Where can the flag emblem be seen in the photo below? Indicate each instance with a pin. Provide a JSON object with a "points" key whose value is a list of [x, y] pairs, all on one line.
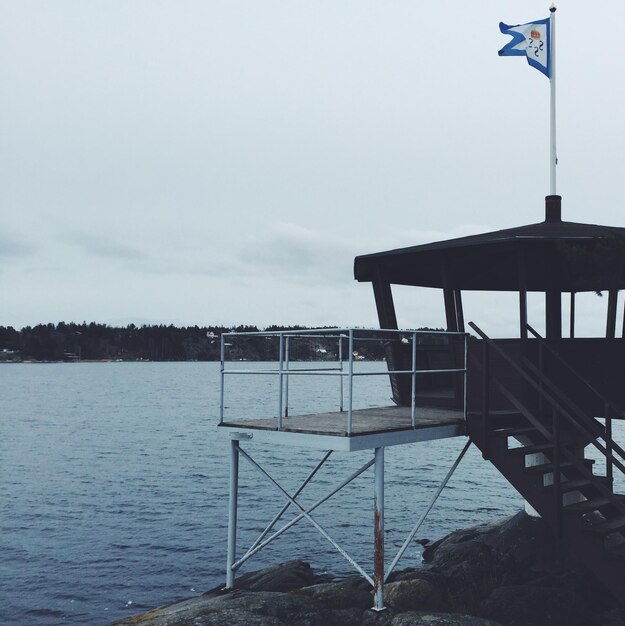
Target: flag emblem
{"points": [[531, 40]]}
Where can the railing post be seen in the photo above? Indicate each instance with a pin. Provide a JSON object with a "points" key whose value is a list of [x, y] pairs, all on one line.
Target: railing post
{"points": [[466, 373], [351, 381], [286, 379], [232, 511], [609, 466], [341, 370], [541, 366], [413, 417], [378, 532], [485, 397], [280, 383], [222, 376], [557, 493]]}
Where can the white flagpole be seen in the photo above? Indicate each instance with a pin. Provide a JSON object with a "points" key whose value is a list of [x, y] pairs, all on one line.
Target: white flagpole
{"points": [[553, 157]]}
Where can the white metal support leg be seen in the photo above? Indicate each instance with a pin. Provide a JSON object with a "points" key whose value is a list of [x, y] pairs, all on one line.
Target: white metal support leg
{"points": [[378, 532], [232, 509]]}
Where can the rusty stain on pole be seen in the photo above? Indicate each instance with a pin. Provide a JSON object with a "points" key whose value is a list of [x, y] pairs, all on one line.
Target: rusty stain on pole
{"points": [[378, 532]]}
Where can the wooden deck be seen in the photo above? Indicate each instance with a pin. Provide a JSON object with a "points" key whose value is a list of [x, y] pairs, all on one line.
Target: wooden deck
{"points": [[377, 426]]}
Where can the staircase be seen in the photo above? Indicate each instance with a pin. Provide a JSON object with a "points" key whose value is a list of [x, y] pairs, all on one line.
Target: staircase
{"points": [[539, 449]]}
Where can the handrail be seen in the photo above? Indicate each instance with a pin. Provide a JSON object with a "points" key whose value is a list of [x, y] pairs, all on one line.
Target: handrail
{"points": [[284, 369], [595, 429], [332, 332], [336, 371], [552, 401], [581, 467], [551, 437], [575, 373]]}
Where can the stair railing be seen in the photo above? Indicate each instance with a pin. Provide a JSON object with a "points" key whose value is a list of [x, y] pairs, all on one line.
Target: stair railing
{"points": [[554, 437], [485, 397], [614, 407], [589, 428], [557, 460], [610, 409]]}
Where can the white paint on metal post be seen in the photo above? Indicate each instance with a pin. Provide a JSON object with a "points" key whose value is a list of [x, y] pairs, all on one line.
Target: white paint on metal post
{"points": [[223, 378], [232, 511], [351, 381], [280, 379], [341, 374], [553, 155], [286, 380], [413, 417], [378, 532]]}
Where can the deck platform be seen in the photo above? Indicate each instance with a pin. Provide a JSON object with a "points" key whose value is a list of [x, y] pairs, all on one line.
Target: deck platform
{"points": [[371, 428]]}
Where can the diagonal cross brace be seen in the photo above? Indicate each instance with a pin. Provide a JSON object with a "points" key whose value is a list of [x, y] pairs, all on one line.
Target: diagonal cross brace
{"points": [[306, 514], [282, 511], [427, 510]]}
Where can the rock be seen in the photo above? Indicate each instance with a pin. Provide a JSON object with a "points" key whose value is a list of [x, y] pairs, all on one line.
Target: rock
{"points": [[278, 608], [419, 618], [283, 577], [411, 595], [520, 605], [514, 547], [482, 568], [245, 608], [502, 571], [353, 592]]}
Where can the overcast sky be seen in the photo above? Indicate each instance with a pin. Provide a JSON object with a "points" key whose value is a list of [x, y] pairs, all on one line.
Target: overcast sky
{"points": [[205, 162]]}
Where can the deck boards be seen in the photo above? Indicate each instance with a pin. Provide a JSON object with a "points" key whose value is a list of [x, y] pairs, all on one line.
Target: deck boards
{"points": [[364, 421]]}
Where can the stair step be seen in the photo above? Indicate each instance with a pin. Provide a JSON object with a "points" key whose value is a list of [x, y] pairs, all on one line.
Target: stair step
{"points": [[499, 419], [596, 502], [533, 449], [549, 467], [497, 413], [514, 431], [589, 505], [579, 484], [572, 485], [607, 527], [567, 437]]}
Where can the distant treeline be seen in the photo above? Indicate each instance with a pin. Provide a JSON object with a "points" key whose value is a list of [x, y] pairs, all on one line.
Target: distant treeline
{"points": [[75, 342]]}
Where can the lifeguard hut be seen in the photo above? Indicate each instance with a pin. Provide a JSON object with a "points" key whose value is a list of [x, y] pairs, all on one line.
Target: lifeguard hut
{"points": [[554, 395], [532, 405]]}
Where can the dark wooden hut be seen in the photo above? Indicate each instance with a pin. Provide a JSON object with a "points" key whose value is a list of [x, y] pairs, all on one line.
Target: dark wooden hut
{"points": [[534, 404]]}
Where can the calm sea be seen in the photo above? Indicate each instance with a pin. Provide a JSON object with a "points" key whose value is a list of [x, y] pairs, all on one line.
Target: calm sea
{"points": [[113, 480]]}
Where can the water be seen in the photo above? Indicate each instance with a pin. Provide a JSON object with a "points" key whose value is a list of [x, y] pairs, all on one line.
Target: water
{"points": [[114, 487]]}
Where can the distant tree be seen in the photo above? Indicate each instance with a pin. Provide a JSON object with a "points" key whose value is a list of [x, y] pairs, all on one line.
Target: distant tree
{"points": [[9, 339]]}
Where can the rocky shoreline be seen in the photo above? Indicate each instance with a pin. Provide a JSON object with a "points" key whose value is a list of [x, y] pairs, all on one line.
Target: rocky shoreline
{"points": [[503, 572]]}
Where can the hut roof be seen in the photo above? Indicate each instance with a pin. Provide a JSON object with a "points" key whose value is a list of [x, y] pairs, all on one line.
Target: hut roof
{"points": [[553, 254]]}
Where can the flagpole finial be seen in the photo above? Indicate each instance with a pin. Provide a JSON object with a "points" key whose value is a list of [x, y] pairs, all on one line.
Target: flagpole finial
{"points": [[552, 8]]}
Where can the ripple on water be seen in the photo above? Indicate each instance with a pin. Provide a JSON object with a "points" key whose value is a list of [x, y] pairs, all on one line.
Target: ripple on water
{"points": [[118, 490]]}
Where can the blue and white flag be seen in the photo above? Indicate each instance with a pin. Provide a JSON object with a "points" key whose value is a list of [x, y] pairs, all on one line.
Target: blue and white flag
{"points": [[531, 40]]}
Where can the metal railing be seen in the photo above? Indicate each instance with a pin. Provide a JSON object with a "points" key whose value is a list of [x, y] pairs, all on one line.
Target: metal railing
{"points": [[610, 408], [563, 412], [345, 370]]}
